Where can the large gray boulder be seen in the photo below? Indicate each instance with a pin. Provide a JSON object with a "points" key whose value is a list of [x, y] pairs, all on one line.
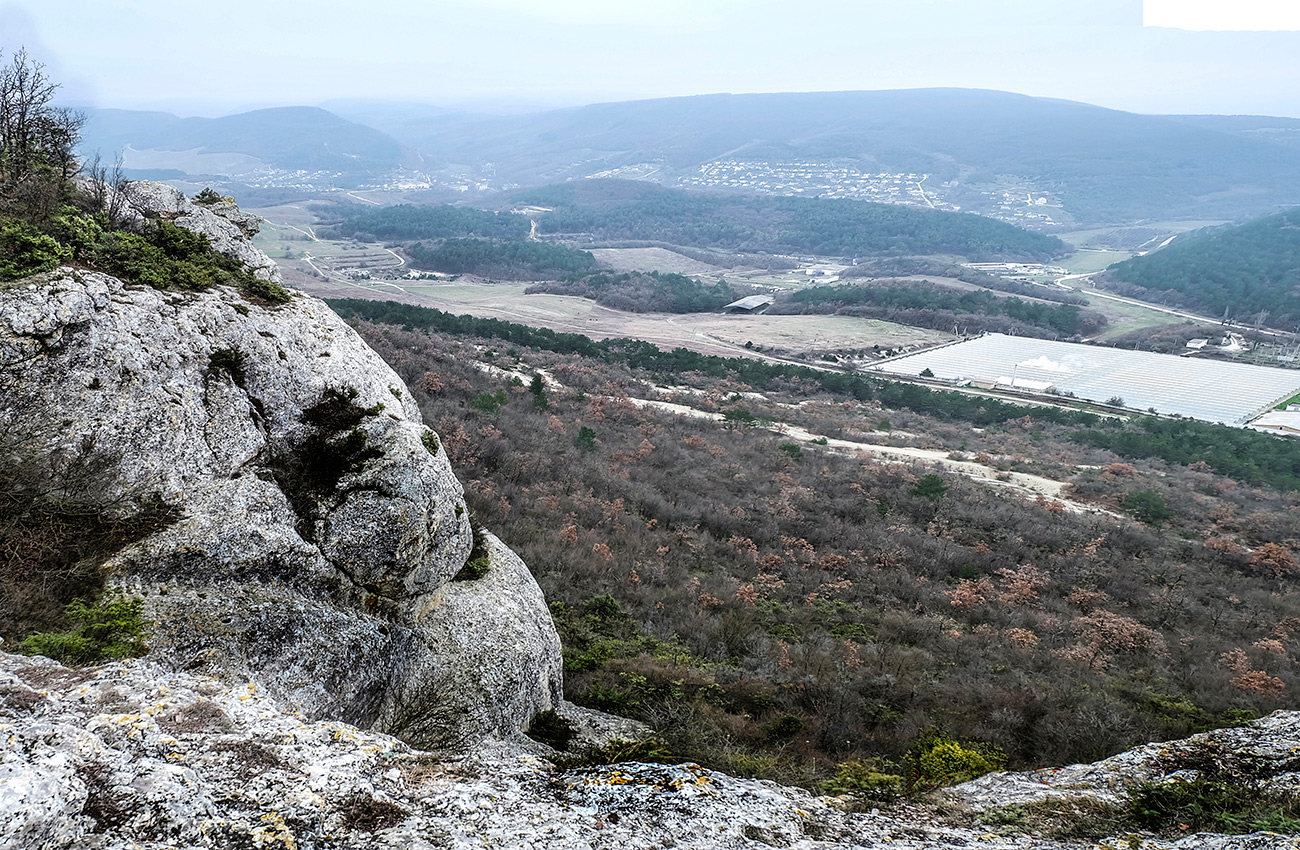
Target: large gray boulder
{"points": [[320, 525]]}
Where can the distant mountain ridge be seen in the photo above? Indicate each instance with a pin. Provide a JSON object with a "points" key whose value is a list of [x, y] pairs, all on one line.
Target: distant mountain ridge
{"points": [[292, 138], [1106, 165], [984, 151]]}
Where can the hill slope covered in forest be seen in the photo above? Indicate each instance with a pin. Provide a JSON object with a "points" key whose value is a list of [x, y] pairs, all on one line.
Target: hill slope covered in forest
{"points": [[1236, 271]]}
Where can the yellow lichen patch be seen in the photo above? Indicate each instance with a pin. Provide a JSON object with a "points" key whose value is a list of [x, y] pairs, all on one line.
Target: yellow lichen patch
{"points": [[118, 718], [275, 833]]}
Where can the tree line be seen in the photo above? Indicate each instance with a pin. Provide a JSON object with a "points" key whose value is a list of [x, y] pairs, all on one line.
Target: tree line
{"points": [[643, 292], [931, 305], [509, 259], [423, 221]]}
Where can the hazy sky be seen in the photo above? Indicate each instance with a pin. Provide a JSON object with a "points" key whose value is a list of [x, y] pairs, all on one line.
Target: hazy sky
{"points": [[191, 57]]}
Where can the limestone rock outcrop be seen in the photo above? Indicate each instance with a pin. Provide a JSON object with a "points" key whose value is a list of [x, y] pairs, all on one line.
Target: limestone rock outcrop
{"points": [[320, 524], [132, 756], [228, 228]]}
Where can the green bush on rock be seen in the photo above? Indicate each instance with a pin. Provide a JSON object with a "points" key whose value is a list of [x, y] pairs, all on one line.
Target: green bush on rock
{"points": [[106, 630], [25, 251]]}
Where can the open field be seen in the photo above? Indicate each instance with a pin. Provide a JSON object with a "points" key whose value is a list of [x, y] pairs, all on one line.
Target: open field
{"points": [[1082, 262], [708, 333], [1122, 238], [1208, 390], [651, 260], [288, 235], [1125, 316]]}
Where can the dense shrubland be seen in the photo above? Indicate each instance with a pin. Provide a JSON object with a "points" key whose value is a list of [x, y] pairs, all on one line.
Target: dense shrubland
{"points": [[779, 614]]}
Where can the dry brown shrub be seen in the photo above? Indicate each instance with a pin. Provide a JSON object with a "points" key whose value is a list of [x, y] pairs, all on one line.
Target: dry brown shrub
{"points": [[969, 593], [1273, 560], [1021, 585], [1086, 598], [1113, 632], [1270, 645], [1259, 682], [1021, 638]]}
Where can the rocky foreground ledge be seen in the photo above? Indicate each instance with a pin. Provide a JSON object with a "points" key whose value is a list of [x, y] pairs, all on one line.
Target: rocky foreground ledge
{"points": [[132, 755]]}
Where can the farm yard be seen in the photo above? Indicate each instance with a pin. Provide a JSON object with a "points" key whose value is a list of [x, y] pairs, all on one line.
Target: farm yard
{"points": [[1208, 390]]}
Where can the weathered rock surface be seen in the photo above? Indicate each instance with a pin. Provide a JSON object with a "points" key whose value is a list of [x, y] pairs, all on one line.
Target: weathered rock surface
{"points": [[337, 599], [136, 756]]}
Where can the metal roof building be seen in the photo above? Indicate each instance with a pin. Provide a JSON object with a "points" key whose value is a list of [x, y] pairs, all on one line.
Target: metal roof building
{"points": [[750, 304]]}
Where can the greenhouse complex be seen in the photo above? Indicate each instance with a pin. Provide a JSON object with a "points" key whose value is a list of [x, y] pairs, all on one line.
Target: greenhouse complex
{"points": [[1209, 390]]}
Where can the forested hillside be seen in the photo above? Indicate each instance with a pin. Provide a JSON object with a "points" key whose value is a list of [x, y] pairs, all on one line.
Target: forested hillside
{"points": [[1234, 271], [776, 607], [611, 210], [422, 221]]}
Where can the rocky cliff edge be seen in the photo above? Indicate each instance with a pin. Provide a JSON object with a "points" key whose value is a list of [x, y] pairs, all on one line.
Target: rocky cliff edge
{"points": [[135, 756]]}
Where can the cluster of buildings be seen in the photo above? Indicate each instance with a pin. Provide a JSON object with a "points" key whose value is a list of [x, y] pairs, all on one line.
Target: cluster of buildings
{"points": [[815, 180]]}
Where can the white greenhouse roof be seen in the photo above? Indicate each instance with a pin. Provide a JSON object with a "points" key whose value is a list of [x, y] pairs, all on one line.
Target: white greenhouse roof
{"points": [[1209, 390]]}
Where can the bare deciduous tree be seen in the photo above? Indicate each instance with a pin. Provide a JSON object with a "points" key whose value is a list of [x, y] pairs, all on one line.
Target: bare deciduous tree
{"points": [[38, 140]]}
